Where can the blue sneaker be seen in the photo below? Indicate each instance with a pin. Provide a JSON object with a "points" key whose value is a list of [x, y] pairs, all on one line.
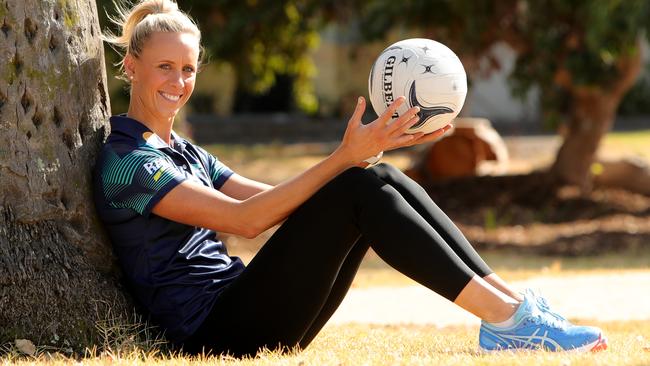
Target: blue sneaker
{"points": [[536, 329], [543, 304]]}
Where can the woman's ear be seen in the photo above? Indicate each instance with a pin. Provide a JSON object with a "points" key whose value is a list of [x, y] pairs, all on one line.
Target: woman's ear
{"points": [[129, 66]]}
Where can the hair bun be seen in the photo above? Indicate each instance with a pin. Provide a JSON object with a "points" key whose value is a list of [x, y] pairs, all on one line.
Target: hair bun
{"points": [[162, 6]]}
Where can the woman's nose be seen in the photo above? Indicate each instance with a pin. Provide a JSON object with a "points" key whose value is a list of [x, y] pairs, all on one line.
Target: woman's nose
{"points": [[177, 79]]}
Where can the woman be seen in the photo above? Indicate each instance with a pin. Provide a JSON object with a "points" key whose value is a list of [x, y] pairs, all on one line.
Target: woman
{"points": [[162, 200]]}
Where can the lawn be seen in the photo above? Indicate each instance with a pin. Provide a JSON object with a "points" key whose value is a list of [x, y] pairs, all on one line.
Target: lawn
{"points": [[275, 162], [515, 266], [620, 144], [362, 344], [356, 344]]}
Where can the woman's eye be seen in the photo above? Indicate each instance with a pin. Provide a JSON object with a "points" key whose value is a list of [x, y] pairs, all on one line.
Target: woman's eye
{"points": [[165, 66], [189, 69]]}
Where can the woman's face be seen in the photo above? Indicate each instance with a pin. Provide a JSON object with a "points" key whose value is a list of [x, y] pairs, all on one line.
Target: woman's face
{"points": [[163, 76]]}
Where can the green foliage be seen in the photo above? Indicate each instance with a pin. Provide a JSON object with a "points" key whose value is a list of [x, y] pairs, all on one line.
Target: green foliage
{"points": [[467, 26], [636, 100], [260, 39], [585, 39]]}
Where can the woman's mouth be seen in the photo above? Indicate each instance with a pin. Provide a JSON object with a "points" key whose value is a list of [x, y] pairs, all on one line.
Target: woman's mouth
{"points": [[170, 97]]}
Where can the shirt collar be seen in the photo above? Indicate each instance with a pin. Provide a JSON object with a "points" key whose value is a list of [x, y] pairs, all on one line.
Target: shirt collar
{"points": [[179, 142], [134, 129]]}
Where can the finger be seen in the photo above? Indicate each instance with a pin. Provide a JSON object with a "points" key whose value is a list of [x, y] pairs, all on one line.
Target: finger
{"points": [[388, 113], [355, 120], [405, 117], [445, 129], [405, 140], [406, 124], [433, 135]]}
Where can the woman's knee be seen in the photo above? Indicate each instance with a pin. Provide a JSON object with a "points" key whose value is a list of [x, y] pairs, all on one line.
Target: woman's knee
{"points": [[387, 172], [354, 180], [350, 187], [396, 178]]}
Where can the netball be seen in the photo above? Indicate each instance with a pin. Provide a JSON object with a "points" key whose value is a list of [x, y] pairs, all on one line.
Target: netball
{"points": [[427, 73]]}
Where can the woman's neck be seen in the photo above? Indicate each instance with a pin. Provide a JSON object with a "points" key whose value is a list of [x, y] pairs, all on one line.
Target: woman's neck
{"points": [[160, 126]]}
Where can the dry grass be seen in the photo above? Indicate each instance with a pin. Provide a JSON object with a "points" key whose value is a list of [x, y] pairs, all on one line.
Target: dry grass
{"points": [[358, 344], [517, 267], [624, 144], [273, 163], [276, 162], [362, 344]]}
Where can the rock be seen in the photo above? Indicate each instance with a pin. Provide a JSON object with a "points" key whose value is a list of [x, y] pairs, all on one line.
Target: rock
{"points": [[472, 148], [25, 346], [632, 174]]}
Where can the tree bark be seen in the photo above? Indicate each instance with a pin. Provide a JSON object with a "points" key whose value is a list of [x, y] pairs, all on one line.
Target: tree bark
{"points": [[592, 115], [56, 266]]}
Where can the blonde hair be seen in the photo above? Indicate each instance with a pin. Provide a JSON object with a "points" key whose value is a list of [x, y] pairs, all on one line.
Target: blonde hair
{"points": [[140, 21]]}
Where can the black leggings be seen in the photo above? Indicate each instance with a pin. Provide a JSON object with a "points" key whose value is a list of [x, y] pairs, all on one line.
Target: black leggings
{"points": [[301, 275]]}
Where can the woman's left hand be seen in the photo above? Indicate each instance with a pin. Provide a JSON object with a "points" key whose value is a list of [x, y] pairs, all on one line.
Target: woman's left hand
{"points": [[383, 134]]}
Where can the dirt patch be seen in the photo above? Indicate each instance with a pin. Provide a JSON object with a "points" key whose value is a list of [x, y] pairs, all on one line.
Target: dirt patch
{"points": [[518, 212], [521, 213]]}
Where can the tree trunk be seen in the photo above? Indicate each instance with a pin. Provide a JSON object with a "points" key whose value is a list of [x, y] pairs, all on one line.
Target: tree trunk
{"points": [[592, 115], [56, 271]]}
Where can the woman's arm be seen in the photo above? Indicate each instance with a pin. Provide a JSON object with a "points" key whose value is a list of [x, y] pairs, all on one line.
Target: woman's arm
{"points": [[248, 216], [241, 188]]}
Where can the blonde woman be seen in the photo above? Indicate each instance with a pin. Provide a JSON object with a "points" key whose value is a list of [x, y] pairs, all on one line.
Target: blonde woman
{"points": [[163, 200]]}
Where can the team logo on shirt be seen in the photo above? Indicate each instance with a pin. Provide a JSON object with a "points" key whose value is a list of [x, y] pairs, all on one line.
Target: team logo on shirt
{"points": [[155, 167]]}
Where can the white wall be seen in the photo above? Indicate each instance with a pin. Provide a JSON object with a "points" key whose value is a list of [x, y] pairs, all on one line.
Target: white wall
{"points": [[491, 98]]}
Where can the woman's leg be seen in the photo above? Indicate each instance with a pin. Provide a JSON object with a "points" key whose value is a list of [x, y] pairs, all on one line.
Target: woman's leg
{"points": [[277, 301], [420, 200], [339, 290], [295, 282]]}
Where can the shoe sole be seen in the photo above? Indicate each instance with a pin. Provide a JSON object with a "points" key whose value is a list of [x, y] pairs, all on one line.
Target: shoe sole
{"points": [[596, 346], [601, 345]]}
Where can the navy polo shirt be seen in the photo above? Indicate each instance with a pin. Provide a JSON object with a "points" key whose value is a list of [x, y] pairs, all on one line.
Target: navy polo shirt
{"points": [[174, 270]]}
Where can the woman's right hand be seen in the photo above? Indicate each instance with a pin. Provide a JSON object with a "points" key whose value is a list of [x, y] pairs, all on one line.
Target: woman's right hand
{"points": [[363, 141]]}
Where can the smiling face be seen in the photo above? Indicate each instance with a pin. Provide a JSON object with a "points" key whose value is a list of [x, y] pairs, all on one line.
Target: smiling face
{"points": [[162, 76]]}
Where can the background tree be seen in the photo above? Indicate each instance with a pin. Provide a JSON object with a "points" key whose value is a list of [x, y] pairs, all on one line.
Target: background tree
{"points": [[583, 55], [470, 28], [55, 264]]}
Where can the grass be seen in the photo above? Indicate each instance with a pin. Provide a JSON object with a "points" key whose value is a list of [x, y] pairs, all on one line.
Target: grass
{"points": [[621, 144], [364, 344], [513, 266], [361, 344], [275, 162]]}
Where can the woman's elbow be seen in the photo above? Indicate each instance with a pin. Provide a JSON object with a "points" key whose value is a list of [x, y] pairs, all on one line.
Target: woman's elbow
{"points": [[250, 223], [251, 232]]}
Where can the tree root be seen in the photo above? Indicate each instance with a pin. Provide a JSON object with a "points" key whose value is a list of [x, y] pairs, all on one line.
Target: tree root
{"points": [[631, 174]]}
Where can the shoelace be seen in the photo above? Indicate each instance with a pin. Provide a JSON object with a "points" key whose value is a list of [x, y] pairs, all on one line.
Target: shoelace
{"points": [[547, 319], [543, 305]]}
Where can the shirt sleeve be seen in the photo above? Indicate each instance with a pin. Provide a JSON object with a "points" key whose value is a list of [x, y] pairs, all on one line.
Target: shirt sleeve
{"points": [[218, 171], [139, 179]]}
